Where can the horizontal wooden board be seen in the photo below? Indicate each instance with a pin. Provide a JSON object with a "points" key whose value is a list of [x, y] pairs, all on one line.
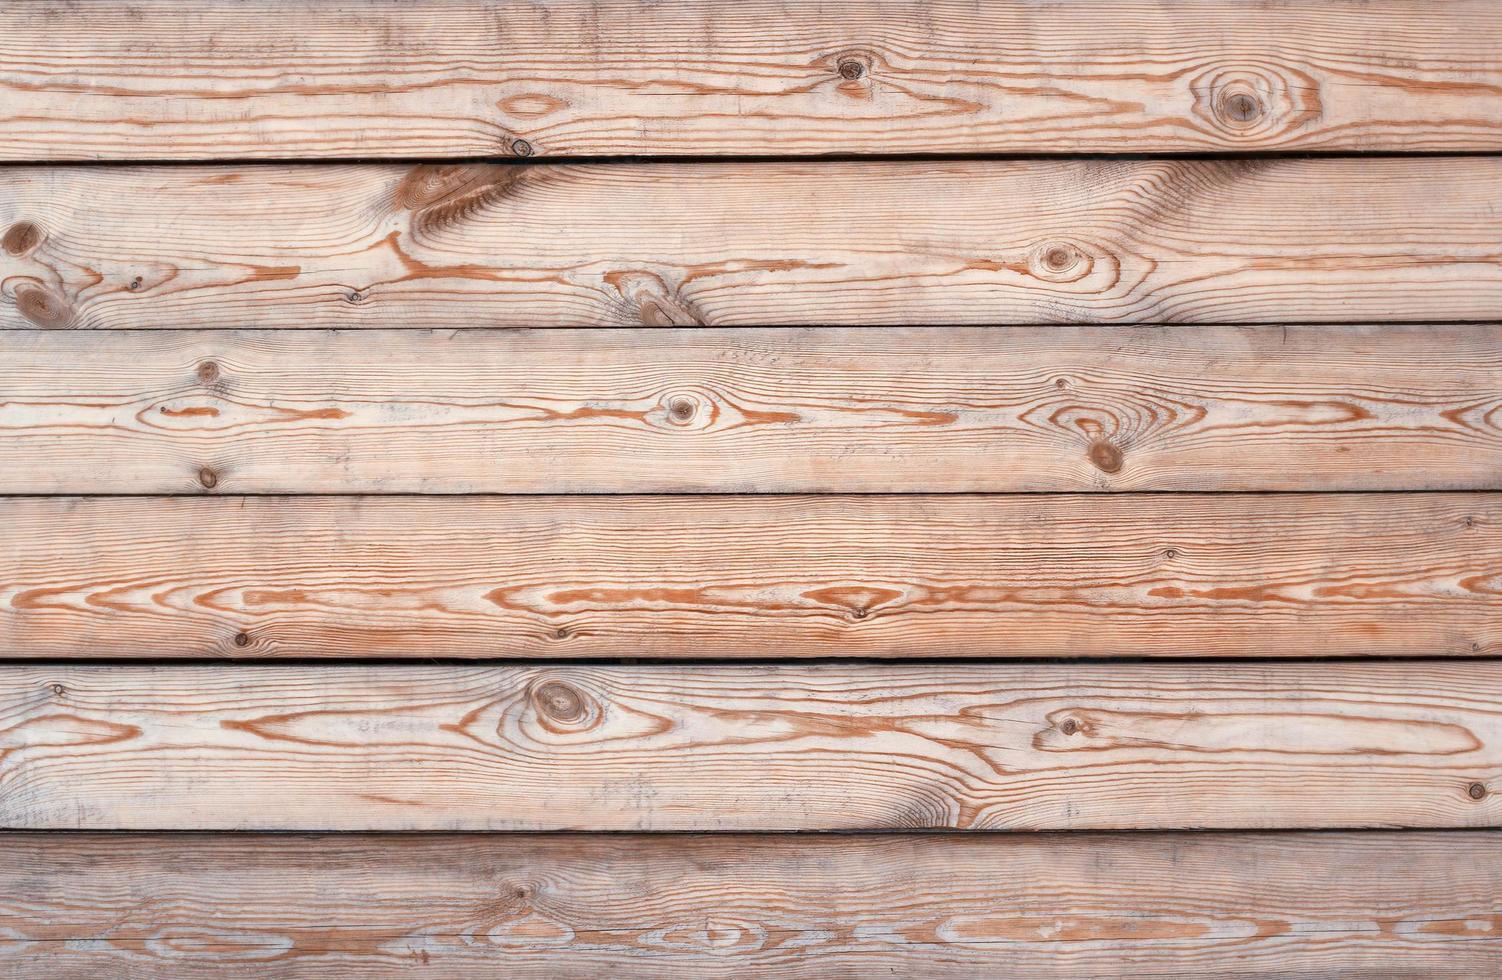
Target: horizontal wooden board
{"points": [[604, 748], [947, 576], [1358, 905], [692, 410], [166, 79], [740, 244]]}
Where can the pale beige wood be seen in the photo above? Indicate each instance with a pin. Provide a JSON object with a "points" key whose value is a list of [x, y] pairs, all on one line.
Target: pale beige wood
{"points": [[169, 79], [737, 244], [839, 409], [1020, 747], [946, 576], [1193, 905]]}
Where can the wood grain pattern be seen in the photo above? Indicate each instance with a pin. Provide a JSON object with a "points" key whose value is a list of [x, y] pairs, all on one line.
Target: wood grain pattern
{"points": [[738, 244], [1019, 747], [949, 576], [1329, 905], [694, 410], [280, 78]]}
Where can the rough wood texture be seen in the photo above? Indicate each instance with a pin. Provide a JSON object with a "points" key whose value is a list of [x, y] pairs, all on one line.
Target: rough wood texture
{"points": [[1331, 905], [164, 79], [951, 576], [735, 244], [1022, 747], [840, 409]]}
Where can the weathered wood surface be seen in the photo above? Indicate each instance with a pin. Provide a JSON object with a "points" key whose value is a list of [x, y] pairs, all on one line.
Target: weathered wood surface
{"points": [[737, 244], [840, 409], [1331, 905], [1021, 747], [165, 79], [657, 576]]}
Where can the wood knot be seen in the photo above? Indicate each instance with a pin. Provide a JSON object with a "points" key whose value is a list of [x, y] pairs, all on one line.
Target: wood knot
{"points": [[1059, 262], [208, 372], [648, 299], [1059, 258], [208, 478], [1476, 791], [354, 296], [560, 702], [445, 195], [20, 238], [1062, 727], [852, 73], [1260, 102], [561, 633], [1106, 456], [134, 284], [59, 690], [1170, 552], [521, 148], [242, 639], [1240, 107], [43, 307], [686, 410]]}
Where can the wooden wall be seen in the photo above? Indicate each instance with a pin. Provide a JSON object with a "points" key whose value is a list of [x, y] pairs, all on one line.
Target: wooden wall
{"points": [[763, 488]]}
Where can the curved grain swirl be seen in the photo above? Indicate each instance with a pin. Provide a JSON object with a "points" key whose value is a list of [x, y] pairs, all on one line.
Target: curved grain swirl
{"points": [[751, 748], [663, 576]]}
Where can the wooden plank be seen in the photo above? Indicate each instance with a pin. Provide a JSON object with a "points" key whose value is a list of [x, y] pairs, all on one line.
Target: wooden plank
{"points": [[948, 576], [1414, 904], [693, 410], [163, 79], [605, 748], [741, 244]]}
